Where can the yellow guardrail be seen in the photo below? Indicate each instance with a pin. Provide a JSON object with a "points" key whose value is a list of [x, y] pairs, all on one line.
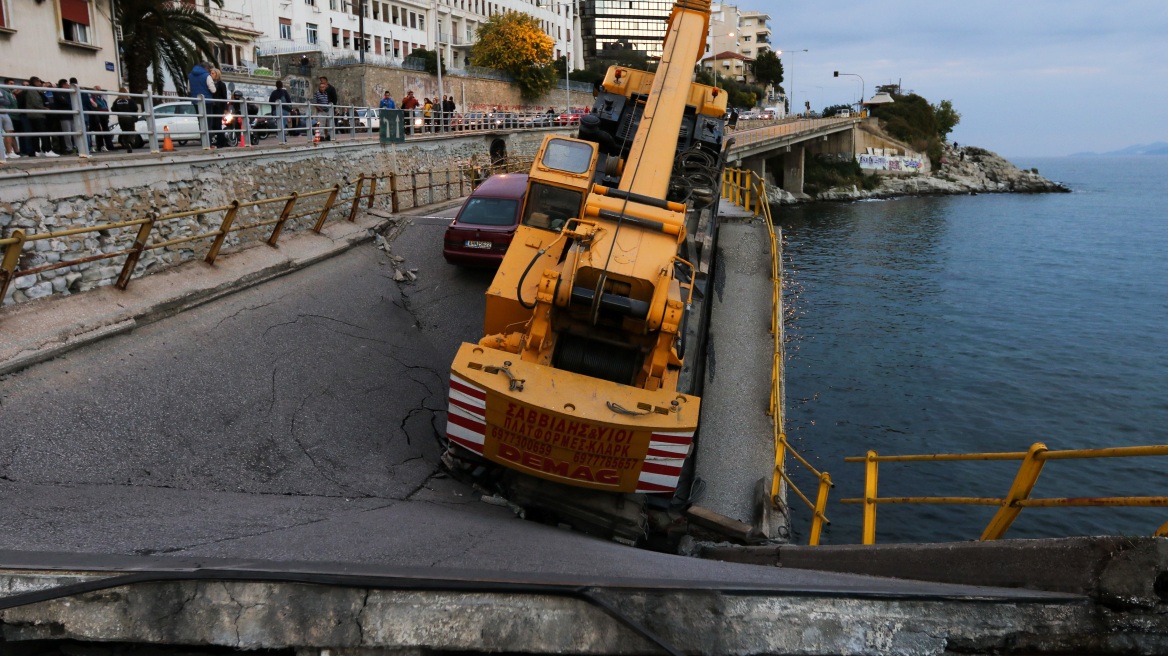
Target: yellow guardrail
{"points": [[234, 215], [1018, 496], [745, 136], [746, 189]]}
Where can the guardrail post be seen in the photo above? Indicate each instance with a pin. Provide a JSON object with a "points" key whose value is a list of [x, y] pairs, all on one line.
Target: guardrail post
{"points": [[10, 260], [393, 202], [279, 227], [151, 125], [461, 188], [81, 144], [871, 467], [280, 120], [1023, 485], [328, 206], [204, 125], [372, 192], [245, 124], [820, 519], [224, 228], [136, 251], [356, 198]]}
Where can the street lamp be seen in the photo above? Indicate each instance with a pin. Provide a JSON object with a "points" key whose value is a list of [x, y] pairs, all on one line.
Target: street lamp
{"points": [[792, 94], [837, 74], [714, 47]]}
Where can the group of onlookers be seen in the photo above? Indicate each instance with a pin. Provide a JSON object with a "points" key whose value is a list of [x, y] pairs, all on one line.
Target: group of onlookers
{"points": [[436, 114], [44, 105]]}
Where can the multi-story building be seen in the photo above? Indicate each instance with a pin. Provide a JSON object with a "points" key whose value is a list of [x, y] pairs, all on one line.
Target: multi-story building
{"points": [[390, 30], [736, 38], [59, 39], [612, 28]]}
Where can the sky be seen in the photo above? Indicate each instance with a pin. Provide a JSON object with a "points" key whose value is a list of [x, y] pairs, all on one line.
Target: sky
{"points": [[1029, 77]]}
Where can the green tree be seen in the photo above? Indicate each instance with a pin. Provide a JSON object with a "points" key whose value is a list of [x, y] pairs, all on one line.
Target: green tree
{"points": [[768, 68], [914, 121], [431, 59], [835, 109], [513, 42], [947, 117], [166, 37]]}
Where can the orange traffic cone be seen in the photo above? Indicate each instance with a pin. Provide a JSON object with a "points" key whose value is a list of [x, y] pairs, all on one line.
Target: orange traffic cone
{"points": [[242, 139], [167, 144], [316, 136]]}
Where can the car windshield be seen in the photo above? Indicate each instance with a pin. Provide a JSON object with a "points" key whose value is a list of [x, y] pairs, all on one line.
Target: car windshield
{"points": [[489, 211]]}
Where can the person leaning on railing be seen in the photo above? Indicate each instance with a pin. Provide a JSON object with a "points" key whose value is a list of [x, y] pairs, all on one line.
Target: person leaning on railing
{"points": [[7, 102], [127, 111]]}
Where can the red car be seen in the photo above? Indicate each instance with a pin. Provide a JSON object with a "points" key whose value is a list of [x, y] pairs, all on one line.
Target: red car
{"points": [[482, 231], [571, 117]]}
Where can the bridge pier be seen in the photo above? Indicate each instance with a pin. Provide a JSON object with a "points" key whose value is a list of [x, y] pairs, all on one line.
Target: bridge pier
{"points": [[792, 181]]}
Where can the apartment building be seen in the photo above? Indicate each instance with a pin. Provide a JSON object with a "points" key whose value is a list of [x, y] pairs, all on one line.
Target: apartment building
{"points": [[389, 30], [59, 39], [736, 38]]}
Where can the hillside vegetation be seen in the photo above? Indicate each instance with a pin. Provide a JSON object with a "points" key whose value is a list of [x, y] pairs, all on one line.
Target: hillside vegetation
{"points": [[911, 119]]}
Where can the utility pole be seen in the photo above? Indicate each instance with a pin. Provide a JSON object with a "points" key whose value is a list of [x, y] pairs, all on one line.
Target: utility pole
{"points": [[361, 27], [438, 49]]}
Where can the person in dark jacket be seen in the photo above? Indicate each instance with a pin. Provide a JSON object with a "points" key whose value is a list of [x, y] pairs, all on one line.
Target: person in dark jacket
{"points": [[35, 100], [128, 111], [281, 95], [215, 109]]}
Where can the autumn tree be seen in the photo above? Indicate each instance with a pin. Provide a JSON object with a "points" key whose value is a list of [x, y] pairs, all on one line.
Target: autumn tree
{"points": [[513, 42]]}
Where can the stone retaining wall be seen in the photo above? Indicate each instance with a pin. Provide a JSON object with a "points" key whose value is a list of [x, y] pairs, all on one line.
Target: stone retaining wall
{"points": [[54, 200]]}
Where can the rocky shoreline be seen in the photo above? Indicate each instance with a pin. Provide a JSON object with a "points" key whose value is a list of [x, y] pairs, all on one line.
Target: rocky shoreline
{"points": [[965, 170]]}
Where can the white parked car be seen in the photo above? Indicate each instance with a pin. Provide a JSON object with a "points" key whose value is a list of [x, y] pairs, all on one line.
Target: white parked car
{"points": [[180, 117]]}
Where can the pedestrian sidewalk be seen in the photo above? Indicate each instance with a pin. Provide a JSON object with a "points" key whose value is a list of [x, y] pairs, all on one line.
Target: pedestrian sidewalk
{"points": [[44, 329]]}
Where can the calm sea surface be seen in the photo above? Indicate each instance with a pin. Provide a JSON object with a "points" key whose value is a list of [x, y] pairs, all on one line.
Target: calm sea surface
{"points": [[979, 324]]}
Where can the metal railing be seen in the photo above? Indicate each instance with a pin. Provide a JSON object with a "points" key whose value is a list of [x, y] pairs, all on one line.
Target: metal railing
{"points": [[748, 133], [237, 216], [160, 122], [746, 189], [1018, 497]]}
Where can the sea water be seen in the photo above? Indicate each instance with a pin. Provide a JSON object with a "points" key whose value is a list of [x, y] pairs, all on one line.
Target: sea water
{"points": [[983, 323]]}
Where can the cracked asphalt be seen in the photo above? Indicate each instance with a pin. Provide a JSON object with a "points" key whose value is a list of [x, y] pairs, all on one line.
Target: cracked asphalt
{"points": [[296, 421]]}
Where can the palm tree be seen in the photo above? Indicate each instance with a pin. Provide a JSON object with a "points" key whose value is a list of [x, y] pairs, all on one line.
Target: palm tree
{"points": [[163, 35]]}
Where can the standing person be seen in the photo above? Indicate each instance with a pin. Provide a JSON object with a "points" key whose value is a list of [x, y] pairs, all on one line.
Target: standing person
{"points": [[387, 102], [201, 85], [323, 103], [34, 100], [281, 95], [127, 110], [409, 104], [427, 110], [215, 109], [8, 101], [105, 142], [448, 110]]}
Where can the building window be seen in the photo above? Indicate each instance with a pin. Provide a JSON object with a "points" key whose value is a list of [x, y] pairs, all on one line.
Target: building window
{"points": [[336, 37], [345, 42], [310, 32], [421, 22], [310, 2], [413, 20], [333, 5], [286, 28], [75, 21], [4, 14], [395, 16], [746, 38]]}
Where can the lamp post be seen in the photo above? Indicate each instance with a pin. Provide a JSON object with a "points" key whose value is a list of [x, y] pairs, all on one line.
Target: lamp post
{"points": [[714, 47], [792, 94], [837, 74]]}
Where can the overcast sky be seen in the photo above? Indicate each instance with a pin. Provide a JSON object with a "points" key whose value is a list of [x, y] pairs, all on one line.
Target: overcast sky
{"points": [[1029, 77]]}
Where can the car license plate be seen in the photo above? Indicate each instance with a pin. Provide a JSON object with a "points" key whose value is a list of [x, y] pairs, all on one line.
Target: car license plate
{"points": [[478, 244]]}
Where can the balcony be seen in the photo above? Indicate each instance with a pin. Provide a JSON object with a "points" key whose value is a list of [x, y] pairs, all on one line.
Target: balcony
{"points": [[231, 20]]}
